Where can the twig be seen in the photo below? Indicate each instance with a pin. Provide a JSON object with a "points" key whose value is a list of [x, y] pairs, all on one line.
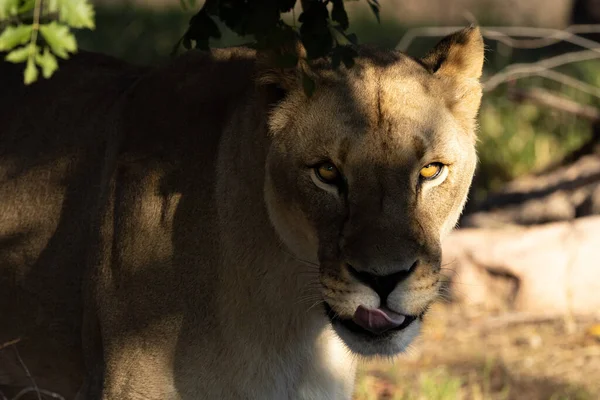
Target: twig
{"points": [[470, 17], [528, 69], [546, 36], [549, 99], [540, 68], [570, 81], [555, 38], [10, 343], [35, 26], [559, 78], [27, 373], [44, 19], [42, 391]]}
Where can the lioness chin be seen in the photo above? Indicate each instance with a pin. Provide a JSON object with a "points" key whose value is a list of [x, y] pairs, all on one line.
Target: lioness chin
{"points": [[206, 230]]}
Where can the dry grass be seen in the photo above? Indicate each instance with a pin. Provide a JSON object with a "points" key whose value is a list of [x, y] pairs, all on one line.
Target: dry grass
{"points": [[462, 358]]}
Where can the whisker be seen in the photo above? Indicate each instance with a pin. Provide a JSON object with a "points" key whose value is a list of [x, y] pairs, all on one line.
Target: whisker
{"points": [[316, 304], [308, 302], [468, 284], [309, 272], [313, 285], [299, 259], [309, 296], [449, 263], [312, 296], [448, 296], [448, 269]]}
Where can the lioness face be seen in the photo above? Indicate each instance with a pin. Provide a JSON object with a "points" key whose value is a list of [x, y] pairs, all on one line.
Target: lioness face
{"points": [[365, 178]]}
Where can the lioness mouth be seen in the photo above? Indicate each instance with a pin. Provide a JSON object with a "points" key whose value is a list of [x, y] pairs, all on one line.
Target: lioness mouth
{"points": [[372, 323]]}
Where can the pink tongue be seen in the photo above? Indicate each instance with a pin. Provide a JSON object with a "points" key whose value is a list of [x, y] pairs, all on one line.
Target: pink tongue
{"points": [[377, 320]]}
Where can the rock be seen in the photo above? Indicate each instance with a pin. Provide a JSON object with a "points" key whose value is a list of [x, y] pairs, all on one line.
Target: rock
{"points": [[550, 268]]}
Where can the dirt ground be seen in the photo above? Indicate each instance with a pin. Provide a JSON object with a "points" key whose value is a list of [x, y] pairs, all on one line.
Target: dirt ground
{"points": [[505, 357]]}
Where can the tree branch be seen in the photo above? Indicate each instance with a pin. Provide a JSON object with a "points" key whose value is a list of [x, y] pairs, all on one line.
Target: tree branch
{"points": [[552, 100]]}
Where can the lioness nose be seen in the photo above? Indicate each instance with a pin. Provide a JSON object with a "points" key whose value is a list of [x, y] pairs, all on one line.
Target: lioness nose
{"points": [[382, 284]]}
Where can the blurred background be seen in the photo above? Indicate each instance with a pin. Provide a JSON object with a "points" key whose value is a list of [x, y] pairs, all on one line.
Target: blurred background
{"points": [[519, 316]]}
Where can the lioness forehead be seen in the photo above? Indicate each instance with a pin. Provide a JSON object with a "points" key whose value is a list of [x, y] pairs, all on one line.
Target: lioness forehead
{"points": [[388, 111]]}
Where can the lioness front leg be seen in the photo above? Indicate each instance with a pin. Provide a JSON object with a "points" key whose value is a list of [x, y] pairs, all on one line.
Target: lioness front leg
{"points": [[137, 370], [333, 371]]}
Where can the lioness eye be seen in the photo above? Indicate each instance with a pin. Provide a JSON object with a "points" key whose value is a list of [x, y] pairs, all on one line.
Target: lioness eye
{"points": [[327, 172], [431, 171]]}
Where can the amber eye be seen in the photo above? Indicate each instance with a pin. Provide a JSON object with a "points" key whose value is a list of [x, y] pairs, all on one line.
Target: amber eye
{"points": [[327, 172], [431, 171]]}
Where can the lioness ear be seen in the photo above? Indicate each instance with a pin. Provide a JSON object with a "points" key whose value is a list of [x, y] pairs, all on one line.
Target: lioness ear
{"points": [[279, 70], [458, 60]]}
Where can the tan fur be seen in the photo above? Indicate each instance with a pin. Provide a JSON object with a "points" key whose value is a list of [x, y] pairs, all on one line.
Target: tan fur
{"points": [[163, 235]]}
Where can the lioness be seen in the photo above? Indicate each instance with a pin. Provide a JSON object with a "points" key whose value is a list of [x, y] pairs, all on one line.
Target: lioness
{"points": [[206, 230]]}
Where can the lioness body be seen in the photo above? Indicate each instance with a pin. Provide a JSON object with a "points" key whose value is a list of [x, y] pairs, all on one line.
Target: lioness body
{"points": [[151, 247], [159, 289]]}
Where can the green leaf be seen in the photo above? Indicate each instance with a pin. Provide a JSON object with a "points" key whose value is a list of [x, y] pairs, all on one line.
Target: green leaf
{"points": [[262, 17], [374, 5], [25, 6], [187, 43], [234, 16], [8, 8], [340, 36], [308, 84], [336, 59], [14, 36], [348, 55], [201, 29], [211, 7], [314, 31], [339, 15], [352, 38], [343, 54], [286, 5], [281, 37], [31, 72], [18, 55], [202, 44], [47, 62], [59, 38], [348, 60], [52, 5], [76, 13]]}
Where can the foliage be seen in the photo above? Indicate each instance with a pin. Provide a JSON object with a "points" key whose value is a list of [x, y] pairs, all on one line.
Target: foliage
{"points": [[322, 30], [36, 32]]}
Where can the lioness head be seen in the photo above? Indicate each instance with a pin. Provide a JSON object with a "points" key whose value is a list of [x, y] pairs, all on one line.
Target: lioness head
{"points": [[366, 176]]}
